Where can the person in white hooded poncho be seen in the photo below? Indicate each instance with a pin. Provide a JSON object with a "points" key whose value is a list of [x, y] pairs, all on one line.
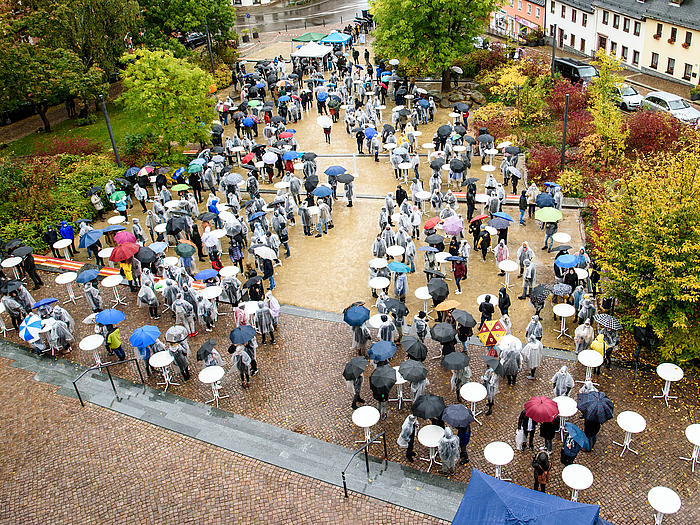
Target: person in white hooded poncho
{"points": [[407, 436], [532, 355], [448, 447], [184, 314], [562, 382], [61, 314], [207, 312], [583, 336], [147, 297]]}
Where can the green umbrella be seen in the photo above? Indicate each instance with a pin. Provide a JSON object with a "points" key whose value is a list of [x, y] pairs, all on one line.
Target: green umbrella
{"points": [[117, 196], [254, 103], [181, 187], [548, 215], [185, 250], [194, 168]]}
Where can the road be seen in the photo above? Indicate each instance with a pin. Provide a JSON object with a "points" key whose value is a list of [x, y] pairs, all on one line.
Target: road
{"points": [[280, 18]]}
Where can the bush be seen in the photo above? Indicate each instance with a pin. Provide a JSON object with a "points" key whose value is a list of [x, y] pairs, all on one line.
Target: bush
{"points": [[651, 132], [578, 98], [74, 145], [132, 143], [580, 125], [484, 59], [571, 182], [547, 134], [543, 164], [90, 119], [495, 118]]}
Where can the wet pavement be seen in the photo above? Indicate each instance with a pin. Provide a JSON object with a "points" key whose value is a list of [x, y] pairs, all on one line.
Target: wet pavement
{"points": [[282, 18]]}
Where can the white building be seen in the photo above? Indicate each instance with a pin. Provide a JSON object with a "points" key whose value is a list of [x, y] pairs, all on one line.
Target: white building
{"points": [[620, 30], [575, 21]]}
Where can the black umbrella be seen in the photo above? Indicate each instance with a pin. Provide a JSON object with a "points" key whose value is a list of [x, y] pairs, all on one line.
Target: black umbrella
{"points": [[12, 244], [277, 119], [460, 130], [238, 114], [344, 178], [309, 155], [595, 406], [540, 293], [457, 416], [10, 286], [464, 318], [250, 282], [457, 165], [435, 273], [444, 130], [404, 112], [397, 307], [382, 379], [161, 180], [389, 128], [207, 216], [485, 138], [163, 170], [80, 221], [356, 130], [310, 183], [414, 348], [434, 238], [124, 182], [258, 147], [175, 225], [461, 107], [146, 255], [292, 76], [217, 149], [561, 248], [437, 163], [152, 163], [354, 368], [401, 91], [22, 251], [93, 190], [217, 128], [443, 332], [608, 321], [513, 150], [206, 349], [250, 167], [494, 364], [455, 361], [243, 105], [277, 151], [428, 406], [438, 289], [468, 139], [413, 371]]}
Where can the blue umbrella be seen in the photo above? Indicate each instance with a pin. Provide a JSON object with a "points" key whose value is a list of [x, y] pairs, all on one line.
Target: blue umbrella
{"points": [[427, 249], [370, 132], [359, 67], [112, 228], [89, 238], [322, 191], [144, 336], [29, 329], [336, 97], [455, 258], [87, 276], [199, 161], [577, 435], [178, 172], [246, 75], [381, 350], [498, 223], [256, 215], [551, 185], [206, 274], [292, 131], [260, 85], [595, 406], [386, 74], [566, 261], [158, 247], [109, 317], [131, 172], [356, 315], [423, 103], [545, 200], [396, 266], [321, 96], [503, 215], [335, 170], [247, 122], [242, 335], [284, 98], [43, 302], [290, 155]]}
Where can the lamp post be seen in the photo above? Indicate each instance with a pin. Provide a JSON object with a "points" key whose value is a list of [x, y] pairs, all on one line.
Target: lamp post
{"points": [[563, 138], [109, 130]]}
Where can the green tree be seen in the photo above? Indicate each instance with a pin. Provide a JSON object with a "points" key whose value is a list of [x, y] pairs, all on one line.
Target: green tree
{"points": [[649, 245], [171, 95], [428, 36]]}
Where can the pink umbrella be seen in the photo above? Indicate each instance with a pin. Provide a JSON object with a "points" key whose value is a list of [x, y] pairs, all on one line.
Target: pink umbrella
{"points": [[124, 236], [453, 225], [541, 409]]}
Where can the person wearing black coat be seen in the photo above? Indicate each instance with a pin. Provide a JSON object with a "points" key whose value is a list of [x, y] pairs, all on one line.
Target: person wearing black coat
{"points": [[197, 240], [548, 431], [471, 201], [571, 279], [196, 184], [50, 237], [486, 309], [475, 229], [269, 272], [30, 268], [401, 195], [541, 466], [591, 429], [503, 301], [484, 242], [524, 424]]}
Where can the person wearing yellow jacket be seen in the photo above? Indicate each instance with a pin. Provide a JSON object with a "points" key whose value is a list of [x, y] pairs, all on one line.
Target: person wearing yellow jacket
{"points": [[114, 341], [127, 272]]}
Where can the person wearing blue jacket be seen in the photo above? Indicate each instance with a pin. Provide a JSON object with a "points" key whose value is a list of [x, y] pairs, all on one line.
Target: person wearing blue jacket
{"points": [[67, 232]]}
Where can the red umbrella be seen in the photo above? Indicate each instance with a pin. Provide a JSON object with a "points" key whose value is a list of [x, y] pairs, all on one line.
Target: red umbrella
{"points": [[478, 218], [383, 85], [286, 135], [541, 409], [124, 251], [432, 223], [248, 158], [124, 236]]}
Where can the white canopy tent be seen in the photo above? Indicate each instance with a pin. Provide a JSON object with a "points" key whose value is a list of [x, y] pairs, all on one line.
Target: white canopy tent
{"points": [[312, 50]]}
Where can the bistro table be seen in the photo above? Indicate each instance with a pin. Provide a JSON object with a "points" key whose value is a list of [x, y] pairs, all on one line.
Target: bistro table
{"points": [[564, 310], [92, 343], [113, 282], [590, 359], [366, 417], [212, 375], [67, 278], [63, 244], [423, 294], [428, 436], [576, 477], [499, 453], [473, 392], [631, 423], [117, 219], [12, 262], [670, 373], [104, 253], [567, 408], [162, 361], [508, 266], [379, 283], [692, 432], [664, 501], [400, 381]]}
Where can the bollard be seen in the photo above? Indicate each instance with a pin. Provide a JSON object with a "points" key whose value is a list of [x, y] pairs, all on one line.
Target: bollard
{"points": [[285, 28], [304, 24], [324, 22]]}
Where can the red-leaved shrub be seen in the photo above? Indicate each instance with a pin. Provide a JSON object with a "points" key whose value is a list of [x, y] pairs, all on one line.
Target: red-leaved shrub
{"points": [[543, 164], [72, 145], [651, 132], [579, 124], [556, 100]]}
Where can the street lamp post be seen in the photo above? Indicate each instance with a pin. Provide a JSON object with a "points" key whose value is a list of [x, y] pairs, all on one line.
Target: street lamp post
{"points": [[109, 130]]}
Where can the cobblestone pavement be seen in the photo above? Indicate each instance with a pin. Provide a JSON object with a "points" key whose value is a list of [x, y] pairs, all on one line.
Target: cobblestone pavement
{"points": [[67, 464]]}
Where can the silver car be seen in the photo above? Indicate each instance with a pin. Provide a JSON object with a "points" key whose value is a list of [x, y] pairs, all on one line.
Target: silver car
{"points": [[628, 98], [673, 104]]}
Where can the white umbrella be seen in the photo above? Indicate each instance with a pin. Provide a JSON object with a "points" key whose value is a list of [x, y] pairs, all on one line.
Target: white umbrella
{"points": [[421, 91], [218, 234], [271, 158], [324, 121], [504, 144], [209, 240], [457, 69], [394, 61], [265, 253], [508, 340]]}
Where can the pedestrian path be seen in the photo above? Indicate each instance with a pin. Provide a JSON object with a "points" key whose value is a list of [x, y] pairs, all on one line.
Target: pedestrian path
{"points": [[390, 482]]}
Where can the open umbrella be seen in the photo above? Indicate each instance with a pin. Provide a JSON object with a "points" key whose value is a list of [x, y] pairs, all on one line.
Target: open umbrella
{"points": [[427, 249], [397, 307], [181, 187], [434, 238], [455, 361], [242, 335], [443, 332], [185, 250], [453, 225], [124, 236], [577, 435], [491, 333], [515, 172], [356, 315], [324, 122], [382, 380], [541, 409], [548, 214], [206, 349], [469, 139], [44, 302], [117, 196], [428, 406], [10, 286], [354, 368], [93, 190], [498, 223], [464, 318], [381, 350], [503, 215], [22, 251], [457, 416], [478, 218], [444, 130], [438, 289], [413, 371], [565, 261], [322, 191], [398, 267], [561, 289], [430, 224], [309, 155], [124, 252], [447, 305], [485, 138], [144, 336], [265, 253], [457, 165], [310, 183], [87, 276], [109, 316], [545, 200], [561, 248], [176, 334], [175, 225], [90, 238], [203, 275], [250, 282], [437, 163], [145, 255], [595, 406], [608, 321], [494, 364], [344, 178], [540, 293], [29, 328], [513, 150], [414, 348]]}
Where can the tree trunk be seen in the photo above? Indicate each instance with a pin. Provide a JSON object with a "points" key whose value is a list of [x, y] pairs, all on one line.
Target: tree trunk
{"points": [[445, 81], [41, 109]]}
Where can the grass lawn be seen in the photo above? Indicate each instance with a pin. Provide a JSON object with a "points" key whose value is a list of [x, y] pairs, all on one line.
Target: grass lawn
{"points": [[121, 125]]}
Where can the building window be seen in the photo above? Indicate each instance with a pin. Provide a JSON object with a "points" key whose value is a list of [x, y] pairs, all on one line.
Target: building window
{"points": [[606, 17], [520, 5], [584, 20], [551, 30], [529, 9], [572, 40], [635, 58], [563, 11], [671, 66], [583, 45], [654, 61], [659, 30], [687, 71], [674, 33], [616, 21], [573, 15], [538, 12], [688, 38], [637, 28], [626, 25], [552, 9], [613, 48], [623, 55]]}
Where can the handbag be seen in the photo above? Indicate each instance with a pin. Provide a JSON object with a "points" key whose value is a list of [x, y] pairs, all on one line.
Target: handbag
{"points": [[520, 438]]}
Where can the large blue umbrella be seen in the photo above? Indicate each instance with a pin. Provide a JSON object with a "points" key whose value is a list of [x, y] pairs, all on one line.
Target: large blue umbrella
{"points": [[381, 350], [284, 98], [247, 122], [256, 215], [356, 315], [370, 132], [158, 247], [87, 276], [90, 238], [322, 191], [595, 406], [144, 336], [199, 161], [322, 96], [335, 170], [577, 435], [44, 302], [423, 103], [455, 258], [109, 317], [565, 261], [242, 335], [113, 228], [396, 266], [131, 172], [178, 172], [290, 155], [206, 274], [260, 85], [29, 328], [545, 200], [427, 249], [503, 215]]}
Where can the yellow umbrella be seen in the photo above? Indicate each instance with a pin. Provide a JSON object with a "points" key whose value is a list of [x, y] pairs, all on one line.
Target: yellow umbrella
{"points": [[444, 306], [491, 333]]}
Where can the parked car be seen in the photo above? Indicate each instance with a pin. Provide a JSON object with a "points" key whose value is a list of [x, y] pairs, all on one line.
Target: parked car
{"points": [[21, 112], [629, 99], [192, 40], [673, 104], [576, 70]]}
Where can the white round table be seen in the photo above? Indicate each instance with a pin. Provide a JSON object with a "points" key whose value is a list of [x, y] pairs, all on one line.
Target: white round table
{"points": [[631, 423], [473, 393], [67, 278], [379, 283], [160, 228], [313, 210], [212, 375], [3, 326], [212, 292], [396, 216], [664, 501], [92, 343], [395, 251], [299, 166], [423, 294], [492, 231], [488, 168], [12, 262], [564, 310], [454, 114], [567, 408], [153, 179], [259, 164], [365, 417], [117, 219], [104, 253], [561, 237], [113, 282], [428, 436], [63, 244], [405, 167], [576, 477], [376, 320], [162, 361], [238, 150], [229, 271], [417, 133], [281, 185], [378, 263], [507, 266], [400, 381], [389, 146], [459, 149], [482, 199], [692, 432], [590, 359], [423, 196], [429, 146], [173, 204], [499, 453], [172, 260], [670, 373], [482, 298]]}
